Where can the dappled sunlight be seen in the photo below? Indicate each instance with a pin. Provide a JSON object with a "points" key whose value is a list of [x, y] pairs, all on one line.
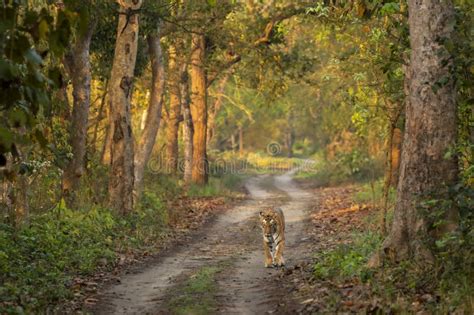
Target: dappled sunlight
{"points": [[236, 157]]}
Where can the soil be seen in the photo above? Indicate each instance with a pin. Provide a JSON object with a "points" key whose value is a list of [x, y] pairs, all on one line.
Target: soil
{"points": [[234, 238], [316, 219]]}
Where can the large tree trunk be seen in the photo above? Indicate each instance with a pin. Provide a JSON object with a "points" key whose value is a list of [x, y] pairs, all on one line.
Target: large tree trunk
{"points": [[174, 78], [79, 68], [199, 109], [430, 129], [153, 116], [121, 181], [188, 129]]}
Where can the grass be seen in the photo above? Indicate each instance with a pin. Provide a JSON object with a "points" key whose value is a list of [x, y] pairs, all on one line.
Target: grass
{"points": [[39, 261], [344, 168], [223, 185], [372, 192], [447, 285], [197, 296], [347, 260]]}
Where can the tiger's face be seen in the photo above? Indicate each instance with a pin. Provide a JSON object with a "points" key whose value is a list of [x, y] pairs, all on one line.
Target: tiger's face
{"points": [[268, 224]]}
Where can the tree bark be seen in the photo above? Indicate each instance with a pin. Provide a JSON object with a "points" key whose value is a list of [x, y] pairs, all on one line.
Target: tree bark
{"points": [[211, 124], [430, 130], [105, 154], [174, 78], [199, 109], [79, 68], [188, 129], [241, 141], [153, 116], [121, 181], [395, 158], [100, 117]]}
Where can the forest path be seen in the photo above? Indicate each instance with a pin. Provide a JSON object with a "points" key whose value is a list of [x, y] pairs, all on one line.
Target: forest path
{"points": [[233, 243]]}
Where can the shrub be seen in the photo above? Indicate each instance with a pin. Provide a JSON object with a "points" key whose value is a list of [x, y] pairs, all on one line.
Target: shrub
{"points": [[347, 260], [38, 261]]}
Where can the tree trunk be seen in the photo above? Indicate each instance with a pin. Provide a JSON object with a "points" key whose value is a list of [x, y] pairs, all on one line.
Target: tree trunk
{"points": [[121, 181], [290, 139], [233, 144], [188, 129], [211, 124], [153, 116], [241, 141], [100, 117], [199, 109], [430, 130], [396, 152], [105, 154], [79, 68], [387, 179], [174, 112]]}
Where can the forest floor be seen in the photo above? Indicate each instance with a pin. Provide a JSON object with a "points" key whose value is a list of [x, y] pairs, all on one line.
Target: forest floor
{"points": [[219, 267]]}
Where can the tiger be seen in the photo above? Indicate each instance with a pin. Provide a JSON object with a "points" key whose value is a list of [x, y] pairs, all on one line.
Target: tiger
{"points": [[272, 222]]}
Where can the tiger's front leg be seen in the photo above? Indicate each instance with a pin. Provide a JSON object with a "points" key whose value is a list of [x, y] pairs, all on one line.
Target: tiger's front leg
{"points": [[268, 254], [279, 260]]}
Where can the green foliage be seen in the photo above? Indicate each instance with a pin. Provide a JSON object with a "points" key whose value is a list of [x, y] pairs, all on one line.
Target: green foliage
{"points": [[346, 167], [38, 262], [453, 251], [28, 36], [373, 193], [223, 185], [348, 260]]}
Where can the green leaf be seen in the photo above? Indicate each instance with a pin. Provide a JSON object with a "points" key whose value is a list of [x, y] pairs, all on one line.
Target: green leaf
{"points": [[41, 139], [32, 56]]}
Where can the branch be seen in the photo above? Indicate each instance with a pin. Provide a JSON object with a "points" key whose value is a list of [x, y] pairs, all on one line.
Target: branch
{"points": [[211, 78]]}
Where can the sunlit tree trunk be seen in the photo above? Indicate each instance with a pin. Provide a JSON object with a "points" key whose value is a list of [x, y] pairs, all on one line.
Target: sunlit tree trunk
{"points": [[199, 109], [217, 106], [233, 144], [79, 68], [396, 154], [121, 181], [430, 130], [188, 129], [105, 154], [241, 141], [153, 116], [174, 78], [100, 117]]}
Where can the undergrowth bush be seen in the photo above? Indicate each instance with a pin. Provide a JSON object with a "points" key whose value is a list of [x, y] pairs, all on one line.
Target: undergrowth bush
{"points": [[222, 185], [345, 167], [347, 260], [448, 283], [39, 260]]}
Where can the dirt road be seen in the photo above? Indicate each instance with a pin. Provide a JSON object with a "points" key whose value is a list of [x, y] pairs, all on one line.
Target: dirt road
{"points": [[244, 286]]}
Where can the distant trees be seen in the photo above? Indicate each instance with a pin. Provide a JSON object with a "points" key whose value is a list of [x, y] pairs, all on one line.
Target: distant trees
{"points": [[153, 112], [216, 69]]}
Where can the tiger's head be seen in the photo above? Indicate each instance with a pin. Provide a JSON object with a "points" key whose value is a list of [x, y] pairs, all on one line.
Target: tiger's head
{"points": [[268, 223]]}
